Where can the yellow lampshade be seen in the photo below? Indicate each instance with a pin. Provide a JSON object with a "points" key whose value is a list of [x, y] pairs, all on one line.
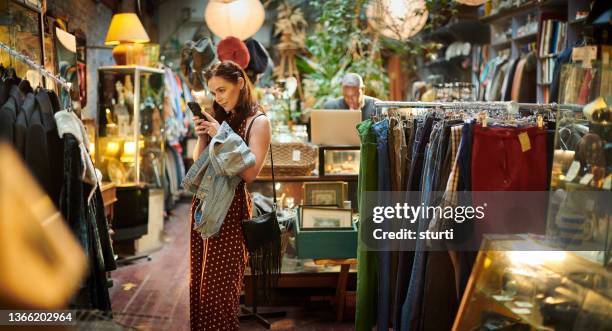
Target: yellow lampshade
{"points": [[237, 18], [126, 28]]}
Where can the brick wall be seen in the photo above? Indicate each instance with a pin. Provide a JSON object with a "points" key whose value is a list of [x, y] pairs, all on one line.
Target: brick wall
{"points": [[93, 18]]}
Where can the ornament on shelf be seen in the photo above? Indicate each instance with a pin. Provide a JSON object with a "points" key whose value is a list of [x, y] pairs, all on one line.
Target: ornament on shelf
{"points": [[291, 26]]}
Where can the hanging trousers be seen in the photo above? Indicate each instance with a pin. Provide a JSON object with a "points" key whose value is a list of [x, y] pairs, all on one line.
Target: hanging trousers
{"points": [[406, 258], [367, 282], [381, 130]]}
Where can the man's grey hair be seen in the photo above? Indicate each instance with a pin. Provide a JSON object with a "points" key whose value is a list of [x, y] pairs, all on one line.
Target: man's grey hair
{"points": [[352, 79]]}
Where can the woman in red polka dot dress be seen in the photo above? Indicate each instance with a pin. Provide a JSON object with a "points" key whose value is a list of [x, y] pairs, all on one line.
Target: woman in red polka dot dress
{"points": [[218, 263]]}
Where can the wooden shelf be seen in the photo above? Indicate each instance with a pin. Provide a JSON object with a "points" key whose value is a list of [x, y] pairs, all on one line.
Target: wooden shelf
{"points": [[577, 21], [445, 62], [502, 45], [509, 13], [544, 84], [526, 38]]}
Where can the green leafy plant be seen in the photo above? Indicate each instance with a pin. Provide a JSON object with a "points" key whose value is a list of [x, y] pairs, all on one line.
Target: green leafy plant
{"points": [[341, 43]]}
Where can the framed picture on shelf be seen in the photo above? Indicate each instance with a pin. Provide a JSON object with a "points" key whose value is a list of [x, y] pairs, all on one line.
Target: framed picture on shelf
{"points": [[315, 218], [325, 193]]}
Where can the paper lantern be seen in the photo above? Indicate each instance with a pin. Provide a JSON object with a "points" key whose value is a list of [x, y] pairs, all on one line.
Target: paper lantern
{"points": [[397, 19], [238, 18], [471, 2]]}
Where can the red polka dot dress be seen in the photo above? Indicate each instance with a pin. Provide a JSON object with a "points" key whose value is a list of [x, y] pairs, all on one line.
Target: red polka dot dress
{"points": [[217, 266]]}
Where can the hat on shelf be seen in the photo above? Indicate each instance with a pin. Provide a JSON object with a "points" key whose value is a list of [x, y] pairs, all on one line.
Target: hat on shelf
{"points": [[259, 56], [233, 49], [197, 57]]}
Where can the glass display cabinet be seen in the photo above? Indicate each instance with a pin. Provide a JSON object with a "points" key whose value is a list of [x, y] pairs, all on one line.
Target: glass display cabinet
{"points": [[580, 208], [130, 140], [531, 289]]}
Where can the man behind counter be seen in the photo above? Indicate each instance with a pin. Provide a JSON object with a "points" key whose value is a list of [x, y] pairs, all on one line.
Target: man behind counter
{"points": [[353, 97]]}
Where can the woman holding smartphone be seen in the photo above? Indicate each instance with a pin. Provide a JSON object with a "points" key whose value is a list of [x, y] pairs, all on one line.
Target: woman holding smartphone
{"points": [[218, 263]]}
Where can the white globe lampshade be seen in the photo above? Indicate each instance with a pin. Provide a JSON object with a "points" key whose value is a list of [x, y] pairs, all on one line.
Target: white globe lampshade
{"points": [[397, 19], [471, 2], [237, 18]]}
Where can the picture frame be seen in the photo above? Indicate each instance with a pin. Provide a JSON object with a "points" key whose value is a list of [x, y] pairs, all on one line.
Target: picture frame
{"points": [[317, 218], [325, 193]]}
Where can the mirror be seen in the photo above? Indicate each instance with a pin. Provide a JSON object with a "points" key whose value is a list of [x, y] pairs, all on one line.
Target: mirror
{"points": [[66, 61]]}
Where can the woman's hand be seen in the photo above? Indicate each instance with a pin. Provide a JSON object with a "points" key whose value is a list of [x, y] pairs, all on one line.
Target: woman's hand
{"points": [[206, 127]]}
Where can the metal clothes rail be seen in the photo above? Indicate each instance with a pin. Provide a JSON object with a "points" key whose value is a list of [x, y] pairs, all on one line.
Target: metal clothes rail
{"points": [[510, 106], [41, 69]]}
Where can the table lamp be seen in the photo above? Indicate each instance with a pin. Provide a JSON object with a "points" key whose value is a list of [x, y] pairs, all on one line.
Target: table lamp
{"points": [[128, 34]]}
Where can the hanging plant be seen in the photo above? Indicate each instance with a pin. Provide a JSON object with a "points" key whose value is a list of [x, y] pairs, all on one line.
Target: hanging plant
{"points": [[341, 43]]}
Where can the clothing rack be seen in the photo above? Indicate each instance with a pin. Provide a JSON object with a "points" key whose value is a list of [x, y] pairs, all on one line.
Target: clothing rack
{"points": [[41, 69], [511, 106]]}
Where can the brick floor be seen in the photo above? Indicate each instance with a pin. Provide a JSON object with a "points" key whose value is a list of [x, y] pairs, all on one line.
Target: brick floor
{"points": [[159, 298]]}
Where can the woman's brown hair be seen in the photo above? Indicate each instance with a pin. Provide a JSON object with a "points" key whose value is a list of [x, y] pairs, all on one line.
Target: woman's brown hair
{"points": [[232, 72]]}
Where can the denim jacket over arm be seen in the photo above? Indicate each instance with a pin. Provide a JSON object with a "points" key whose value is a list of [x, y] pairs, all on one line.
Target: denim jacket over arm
{"points": [[214, 177]]}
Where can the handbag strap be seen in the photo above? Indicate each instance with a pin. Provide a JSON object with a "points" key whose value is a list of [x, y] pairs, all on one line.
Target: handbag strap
{"points": [[248, 135]]}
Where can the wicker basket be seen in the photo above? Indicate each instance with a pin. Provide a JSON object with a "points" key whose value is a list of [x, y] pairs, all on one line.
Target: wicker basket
{"points": [[291, 159]]}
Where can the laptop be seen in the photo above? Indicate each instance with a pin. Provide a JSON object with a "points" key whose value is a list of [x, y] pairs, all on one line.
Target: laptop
{"points": [[335, 127]]}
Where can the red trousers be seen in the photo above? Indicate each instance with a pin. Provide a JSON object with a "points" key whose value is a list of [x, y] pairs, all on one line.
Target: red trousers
{"points": [[505, 159]]}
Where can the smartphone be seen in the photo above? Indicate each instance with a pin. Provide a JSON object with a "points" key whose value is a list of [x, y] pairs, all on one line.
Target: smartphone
{"points": [[196, 110]]}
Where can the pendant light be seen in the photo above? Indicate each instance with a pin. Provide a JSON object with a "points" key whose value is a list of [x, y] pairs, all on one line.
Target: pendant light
{"points": [[471, 2], [397, 19], [237, 18]]}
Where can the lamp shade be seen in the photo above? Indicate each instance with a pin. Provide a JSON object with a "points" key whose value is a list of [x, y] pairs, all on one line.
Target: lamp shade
{"points": [[397, 19], [126, 28], [238, 18]]}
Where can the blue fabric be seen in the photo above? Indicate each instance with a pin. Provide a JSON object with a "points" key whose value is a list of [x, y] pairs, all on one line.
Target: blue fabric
{"points": [[411, 308], [406, 257], [213, 178], [381, 130], [179, 164], [465, 158]]}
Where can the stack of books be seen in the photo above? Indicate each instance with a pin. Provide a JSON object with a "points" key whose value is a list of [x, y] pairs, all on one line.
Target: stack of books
{"points": [[552, 37], [548, 67]]}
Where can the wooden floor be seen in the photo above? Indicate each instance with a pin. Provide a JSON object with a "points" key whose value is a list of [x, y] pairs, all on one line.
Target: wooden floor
{"points": [[154, 295]]}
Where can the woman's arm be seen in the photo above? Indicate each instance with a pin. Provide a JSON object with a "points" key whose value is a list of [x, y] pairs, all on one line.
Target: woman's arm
{"points": [[203, 137], [259, 143]]}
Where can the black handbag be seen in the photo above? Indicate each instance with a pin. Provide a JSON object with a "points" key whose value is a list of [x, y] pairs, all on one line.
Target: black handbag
{"points": [[262, 235]]}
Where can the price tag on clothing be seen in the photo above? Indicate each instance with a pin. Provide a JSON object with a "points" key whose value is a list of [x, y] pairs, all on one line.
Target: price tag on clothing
{"points": [[573, 171], [523, 138], [586, 179], [297, 155], [585, 54]]}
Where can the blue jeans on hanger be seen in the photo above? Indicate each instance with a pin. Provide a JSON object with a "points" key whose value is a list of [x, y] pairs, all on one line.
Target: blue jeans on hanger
{"points": [[381, 130], [411, 310], [406, 257]]}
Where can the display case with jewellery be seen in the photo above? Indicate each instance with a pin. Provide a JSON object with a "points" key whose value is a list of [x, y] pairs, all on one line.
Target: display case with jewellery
{"points": [[518, 284], [339, 160], [130, 124], [580, 212]]}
